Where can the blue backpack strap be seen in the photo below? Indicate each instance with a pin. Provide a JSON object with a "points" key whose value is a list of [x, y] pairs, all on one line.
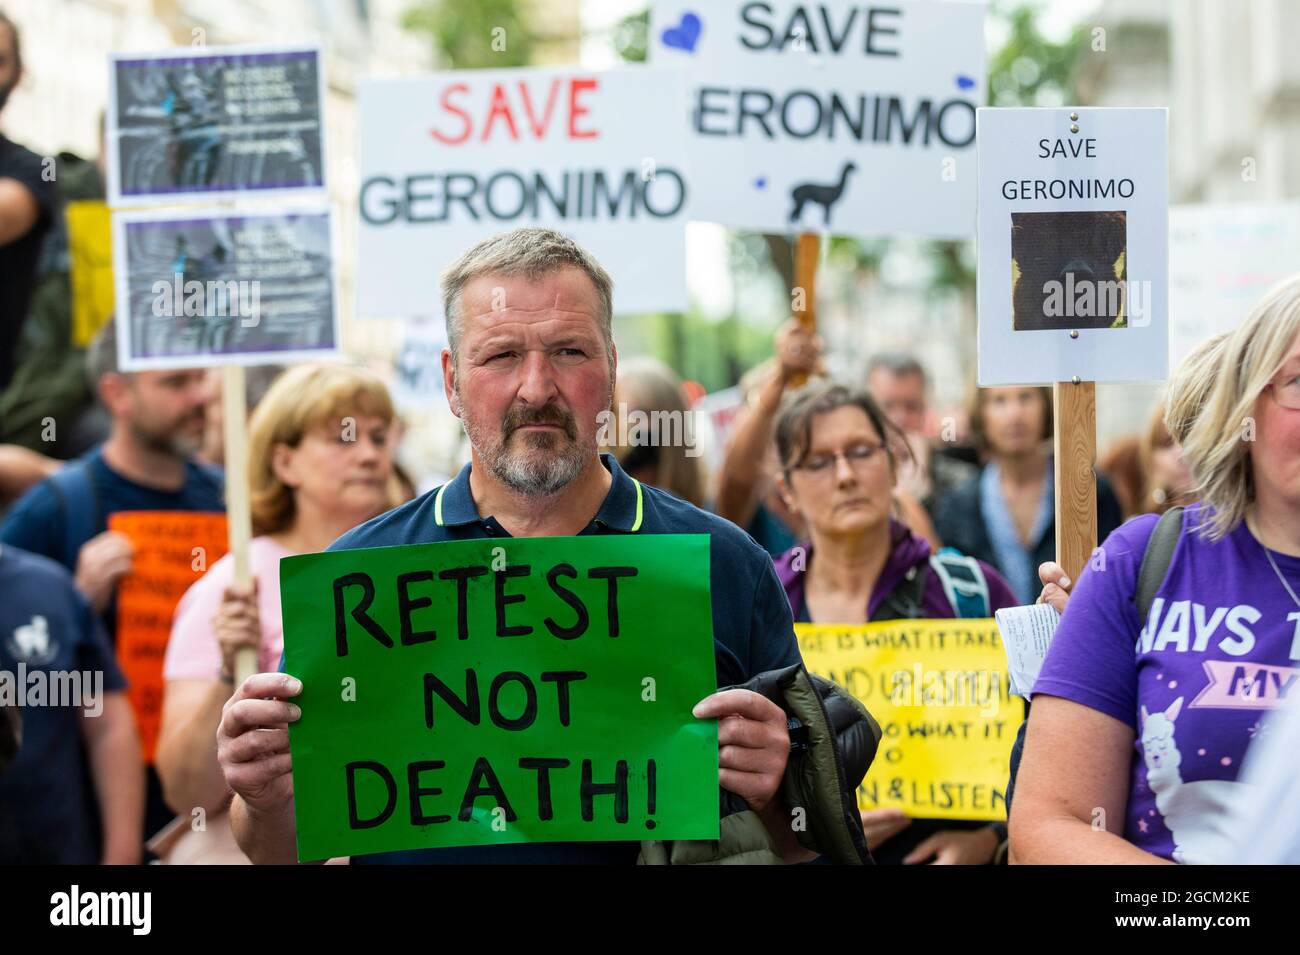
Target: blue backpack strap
{"points": [[80, 506], [963, 582]]}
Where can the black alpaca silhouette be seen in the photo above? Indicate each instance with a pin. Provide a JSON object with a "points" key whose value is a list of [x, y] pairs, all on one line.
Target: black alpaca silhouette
{"points": [[819, 193]]}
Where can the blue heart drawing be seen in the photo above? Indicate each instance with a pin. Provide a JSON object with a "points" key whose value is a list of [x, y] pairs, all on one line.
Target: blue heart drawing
{"points": [[760, 182], [965, 82], [684, 35]]}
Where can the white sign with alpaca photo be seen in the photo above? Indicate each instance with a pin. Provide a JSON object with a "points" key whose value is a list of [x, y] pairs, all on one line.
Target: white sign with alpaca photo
{"points": [[839, 117], [1073, 277]]}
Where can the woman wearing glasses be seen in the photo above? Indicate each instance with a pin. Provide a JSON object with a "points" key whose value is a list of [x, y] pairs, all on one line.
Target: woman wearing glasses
{"points": [[1140, 722], [860, 564]]}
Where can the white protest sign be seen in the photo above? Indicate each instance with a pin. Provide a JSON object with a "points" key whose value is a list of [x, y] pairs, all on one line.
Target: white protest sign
{"points": [[452, 158], [1073, 245], [203, 287], [1222, 259], [417, 365], [851, 118]]}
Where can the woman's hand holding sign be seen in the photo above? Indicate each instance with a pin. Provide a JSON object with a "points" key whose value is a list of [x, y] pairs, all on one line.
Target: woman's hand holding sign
{"points": [[237, 624], [1056, 585]]}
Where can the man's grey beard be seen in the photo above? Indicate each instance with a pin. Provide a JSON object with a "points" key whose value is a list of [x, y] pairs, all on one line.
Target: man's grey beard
{"points": [[171, 443], [527, 474], [538, 476]]}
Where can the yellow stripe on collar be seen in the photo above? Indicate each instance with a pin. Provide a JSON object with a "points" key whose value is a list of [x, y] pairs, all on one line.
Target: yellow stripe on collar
{"points": [[636, 524]]}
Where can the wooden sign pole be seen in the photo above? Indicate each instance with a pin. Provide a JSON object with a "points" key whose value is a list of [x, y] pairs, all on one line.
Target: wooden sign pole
{"points": [[234, 411], [807, 249], [806, 252], [1075, 439]]}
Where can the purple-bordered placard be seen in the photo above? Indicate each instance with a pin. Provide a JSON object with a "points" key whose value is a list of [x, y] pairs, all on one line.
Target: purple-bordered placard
{"points": [[223, 123], [204, 287]]}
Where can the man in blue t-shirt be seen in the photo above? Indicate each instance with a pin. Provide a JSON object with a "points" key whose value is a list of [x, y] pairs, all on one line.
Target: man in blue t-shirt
{"points": [[530, 368], [145, 465], [78, 744]]}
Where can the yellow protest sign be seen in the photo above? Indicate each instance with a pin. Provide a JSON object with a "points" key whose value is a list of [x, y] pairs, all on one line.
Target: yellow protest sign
{"points": [[940, 692], [90, 248]]}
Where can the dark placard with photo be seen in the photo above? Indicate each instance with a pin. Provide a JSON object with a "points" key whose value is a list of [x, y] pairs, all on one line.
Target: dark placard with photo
{"points": [[203, 288], [214, 122]]}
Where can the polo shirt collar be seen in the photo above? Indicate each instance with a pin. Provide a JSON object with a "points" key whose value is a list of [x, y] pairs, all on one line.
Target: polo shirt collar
{"points": [[622, 509]]}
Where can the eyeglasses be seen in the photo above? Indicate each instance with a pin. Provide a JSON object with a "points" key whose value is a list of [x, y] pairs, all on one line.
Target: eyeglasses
{"points": [[1286, 390], [859, 456]]}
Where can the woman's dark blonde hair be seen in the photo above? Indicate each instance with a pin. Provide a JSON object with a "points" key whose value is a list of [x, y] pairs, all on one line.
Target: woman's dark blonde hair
{"points": [[301, 399]]}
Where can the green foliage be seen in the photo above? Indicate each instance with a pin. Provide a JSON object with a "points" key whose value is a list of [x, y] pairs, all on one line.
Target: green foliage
{"points": [[463, 33], [631, 37], [1029, 68]]}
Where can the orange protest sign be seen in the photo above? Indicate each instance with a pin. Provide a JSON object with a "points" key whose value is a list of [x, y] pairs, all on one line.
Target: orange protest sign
{"points": [[172, 550]]}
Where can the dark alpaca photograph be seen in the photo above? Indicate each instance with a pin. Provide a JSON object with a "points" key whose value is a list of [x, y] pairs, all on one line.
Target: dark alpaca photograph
{"points": [[1068, 270], [821, 194]]}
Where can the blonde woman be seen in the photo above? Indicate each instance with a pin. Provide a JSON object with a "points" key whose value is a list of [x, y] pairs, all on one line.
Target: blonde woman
{"points": [[1139, 726], [319, 464]]}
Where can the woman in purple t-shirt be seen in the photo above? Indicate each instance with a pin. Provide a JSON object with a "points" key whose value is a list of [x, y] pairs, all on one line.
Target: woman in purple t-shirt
{"points": [[1139, 727], [838, 473]]}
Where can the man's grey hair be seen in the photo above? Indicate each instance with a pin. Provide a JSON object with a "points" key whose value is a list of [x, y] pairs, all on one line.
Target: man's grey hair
{"points": [[101, 354], [899, 364], [532, 253]]}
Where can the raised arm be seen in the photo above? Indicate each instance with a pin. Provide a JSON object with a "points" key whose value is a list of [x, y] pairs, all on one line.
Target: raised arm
{"points": [[19, 210], [739, 478]]}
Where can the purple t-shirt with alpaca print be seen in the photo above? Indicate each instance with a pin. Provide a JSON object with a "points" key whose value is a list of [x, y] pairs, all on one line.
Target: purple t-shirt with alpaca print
{"points": [[1195, 681]]}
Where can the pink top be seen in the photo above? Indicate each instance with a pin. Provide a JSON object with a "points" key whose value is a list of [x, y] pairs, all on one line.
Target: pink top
{"points": [[193, 652]]}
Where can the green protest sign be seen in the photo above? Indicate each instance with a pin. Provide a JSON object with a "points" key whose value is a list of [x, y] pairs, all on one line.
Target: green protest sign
{"points": [[501, 691]]}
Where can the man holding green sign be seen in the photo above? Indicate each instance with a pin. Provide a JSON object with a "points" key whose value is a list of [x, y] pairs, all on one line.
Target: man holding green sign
{"points": [[496, 699]]}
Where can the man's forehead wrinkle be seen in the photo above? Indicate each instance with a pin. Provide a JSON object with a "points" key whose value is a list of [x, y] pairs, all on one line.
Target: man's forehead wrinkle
{"points": [[565, 328], [541, 309]]}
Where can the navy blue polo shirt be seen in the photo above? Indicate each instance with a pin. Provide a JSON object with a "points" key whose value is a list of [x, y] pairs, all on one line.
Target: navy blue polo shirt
{"points": [[752, 628]]}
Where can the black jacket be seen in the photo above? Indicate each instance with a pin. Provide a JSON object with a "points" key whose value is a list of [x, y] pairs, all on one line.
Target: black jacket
{"points": [[959, 521]]}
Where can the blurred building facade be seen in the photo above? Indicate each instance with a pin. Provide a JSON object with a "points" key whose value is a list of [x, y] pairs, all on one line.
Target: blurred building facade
{"points": [[1223, 69], [1231, 80], [60, 102]]}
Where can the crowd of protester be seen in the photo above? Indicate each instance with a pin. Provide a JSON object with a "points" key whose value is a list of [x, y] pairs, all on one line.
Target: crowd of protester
{"points": [[830, 502]]}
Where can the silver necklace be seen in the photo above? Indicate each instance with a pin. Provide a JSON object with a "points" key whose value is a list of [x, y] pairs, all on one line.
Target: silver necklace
{"points": [[1272, 563]]}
